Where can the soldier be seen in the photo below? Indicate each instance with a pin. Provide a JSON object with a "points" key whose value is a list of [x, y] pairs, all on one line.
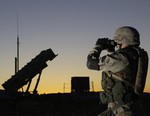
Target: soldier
{"points": [[123, 71]]}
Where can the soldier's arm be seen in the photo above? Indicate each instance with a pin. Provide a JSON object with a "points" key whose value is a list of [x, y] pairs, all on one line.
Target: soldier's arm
{"points": [[114, 62]]}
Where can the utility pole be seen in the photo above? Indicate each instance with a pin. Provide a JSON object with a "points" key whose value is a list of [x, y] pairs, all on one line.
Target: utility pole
{"points": [[92, 83], [64, 88]]}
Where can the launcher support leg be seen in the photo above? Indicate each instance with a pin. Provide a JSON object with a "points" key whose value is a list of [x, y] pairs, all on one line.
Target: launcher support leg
{"points": [[35, 89], [27, 90]]}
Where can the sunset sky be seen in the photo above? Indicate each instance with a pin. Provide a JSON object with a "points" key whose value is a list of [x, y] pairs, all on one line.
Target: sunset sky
{"points": [[70, 28]]}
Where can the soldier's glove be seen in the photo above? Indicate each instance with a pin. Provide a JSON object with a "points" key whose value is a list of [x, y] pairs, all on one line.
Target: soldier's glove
{"points": [[92, 62], [93, 56], [95, 52], [93, 59]]}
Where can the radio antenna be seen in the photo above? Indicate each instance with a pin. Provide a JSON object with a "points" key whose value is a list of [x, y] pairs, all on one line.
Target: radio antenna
{"points": [[17, 58]]}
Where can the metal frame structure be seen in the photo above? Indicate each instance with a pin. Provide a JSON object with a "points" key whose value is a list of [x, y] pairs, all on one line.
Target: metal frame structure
{"points": [[28, 72]]}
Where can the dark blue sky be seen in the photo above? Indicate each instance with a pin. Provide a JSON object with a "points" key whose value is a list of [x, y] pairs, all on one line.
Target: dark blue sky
{"points": [[70, 28]]}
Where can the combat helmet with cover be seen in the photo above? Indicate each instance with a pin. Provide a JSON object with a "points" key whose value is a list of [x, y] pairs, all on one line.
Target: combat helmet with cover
{"points": [[127, 35]]}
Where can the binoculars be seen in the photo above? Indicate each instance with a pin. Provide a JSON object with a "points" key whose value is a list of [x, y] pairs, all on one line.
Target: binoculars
{"points": [[107, 43]]}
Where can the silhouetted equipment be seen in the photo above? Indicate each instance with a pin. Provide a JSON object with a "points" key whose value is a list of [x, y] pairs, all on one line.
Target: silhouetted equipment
{"points": [[80, 84], [28, 72]]}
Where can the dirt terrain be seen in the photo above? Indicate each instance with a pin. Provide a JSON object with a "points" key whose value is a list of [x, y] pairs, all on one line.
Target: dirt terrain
{"points": [[68, 104]]}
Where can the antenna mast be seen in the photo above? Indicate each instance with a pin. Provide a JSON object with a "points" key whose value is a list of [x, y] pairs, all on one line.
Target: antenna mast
{"points": [[17, 58]]}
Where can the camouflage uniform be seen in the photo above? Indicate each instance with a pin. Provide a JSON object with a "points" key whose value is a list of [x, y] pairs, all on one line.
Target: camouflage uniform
{"points": [[119, 94], [118, 73]]}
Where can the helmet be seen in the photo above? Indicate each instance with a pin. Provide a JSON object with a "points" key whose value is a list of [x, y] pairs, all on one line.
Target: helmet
{"points": [[127, 35]]}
